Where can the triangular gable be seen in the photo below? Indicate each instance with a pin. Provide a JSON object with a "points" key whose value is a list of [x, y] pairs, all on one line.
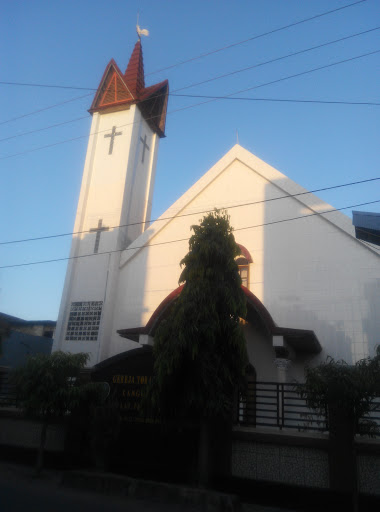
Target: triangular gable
{"points": [[115, 91], [112, 89], [267, 172]]}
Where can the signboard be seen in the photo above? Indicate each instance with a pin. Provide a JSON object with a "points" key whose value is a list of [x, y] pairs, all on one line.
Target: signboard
{"points": [[128, 375]]}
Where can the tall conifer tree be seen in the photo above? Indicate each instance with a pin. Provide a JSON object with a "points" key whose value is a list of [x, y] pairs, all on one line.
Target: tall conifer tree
{"points": [[200, 351]]}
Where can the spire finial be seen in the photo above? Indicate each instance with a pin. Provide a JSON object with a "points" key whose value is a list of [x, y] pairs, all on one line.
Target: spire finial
{"points": [[140, 31], [237, 136]]}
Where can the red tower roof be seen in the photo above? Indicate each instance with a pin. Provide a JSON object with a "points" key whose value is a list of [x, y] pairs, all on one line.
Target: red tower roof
{"points": [[118, 90], [134, 74]]}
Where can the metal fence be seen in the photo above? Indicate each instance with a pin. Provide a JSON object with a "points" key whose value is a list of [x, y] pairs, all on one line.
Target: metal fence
{"points": [[7, 394], [278, 405], [370, 424], [265, 404]]}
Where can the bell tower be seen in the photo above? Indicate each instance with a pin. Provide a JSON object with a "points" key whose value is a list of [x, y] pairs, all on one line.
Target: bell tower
{"points": [[128, 120]]}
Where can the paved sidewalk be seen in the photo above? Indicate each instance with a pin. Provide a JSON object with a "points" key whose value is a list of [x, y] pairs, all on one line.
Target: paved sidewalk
{"points": [[21, 490]]}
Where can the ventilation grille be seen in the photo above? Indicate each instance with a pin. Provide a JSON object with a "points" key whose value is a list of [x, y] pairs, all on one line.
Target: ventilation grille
{"points": [[115, 92]]}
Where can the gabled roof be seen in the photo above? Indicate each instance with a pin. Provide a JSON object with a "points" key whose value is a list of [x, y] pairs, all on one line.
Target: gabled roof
{"points": [[301, 340], [285, 185], [117, 91]]}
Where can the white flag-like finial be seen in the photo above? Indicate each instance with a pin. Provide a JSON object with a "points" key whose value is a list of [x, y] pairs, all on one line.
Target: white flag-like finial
{"points": [[141, 31]]}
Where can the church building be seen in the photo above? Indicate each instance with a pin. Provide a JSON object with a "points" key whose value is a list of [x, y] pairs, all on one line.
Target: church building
{"points": [[312, 288]]}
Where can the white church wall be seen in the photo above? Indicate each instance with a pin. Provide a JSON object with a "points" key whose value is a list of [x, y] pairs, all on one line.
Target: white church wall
{"points": [[261, 354], [116, 190], [308, 273]]}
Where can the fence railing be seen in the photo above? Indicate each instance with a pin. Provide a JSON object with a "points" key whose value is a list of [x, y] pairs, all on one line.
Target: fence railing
{"points": [[265, 404], [7, 394], [370, 424], [278, 405]]}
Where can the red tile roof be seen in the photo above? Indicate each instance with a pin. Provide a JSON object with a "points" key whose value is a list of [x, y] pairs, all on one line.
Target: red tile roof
{"points": [[117, 89], [134, 74]]}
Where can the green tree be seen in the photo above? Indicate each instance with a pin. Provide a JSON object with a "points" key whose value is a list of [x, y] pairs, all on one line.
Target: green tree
{"points": [[51, 386], [350, 393], [200, 351], [351, 390]]}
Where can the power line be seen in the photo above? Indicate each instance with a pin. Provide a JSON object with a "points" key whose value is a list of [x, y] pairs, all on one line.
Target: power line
{"points": [[191, 85], [185, 239], [55, 86], [43, 129], [45, 108], [275, 100], [49, 86], [198, 104], [219, 76], [276, 59], [72, 233], [323, 102], [285, 78], [254, 37]]}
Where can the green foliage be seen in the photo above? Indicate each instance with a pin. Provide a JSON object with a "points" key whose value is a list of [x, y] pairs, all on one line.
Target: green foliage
{"points": [[50, 386], [200, 351], [351, 388]]}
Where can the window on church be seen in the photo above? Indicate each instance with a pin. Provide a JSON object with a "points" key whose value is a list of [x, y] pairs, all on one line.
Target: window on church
{"points": [[84, 321], [243, 266]]}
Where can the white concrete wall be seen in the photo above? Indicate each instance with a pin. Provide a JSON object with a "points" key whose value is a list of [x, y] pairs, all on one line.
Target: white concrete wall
{"points": [[116, 188], [309, 273]]}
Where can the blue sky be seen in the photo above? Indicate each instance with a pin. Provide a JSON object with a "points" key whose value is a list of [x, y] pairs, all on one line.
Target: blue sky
{"points": [[70, 43]]}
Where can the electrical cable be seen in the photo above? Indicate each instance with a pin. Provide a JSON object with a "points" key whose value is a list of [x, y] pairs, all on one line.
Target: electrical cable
{"points": [[49, 86], [185, 239], [198, 104], [28, 84], [285, 100], [275, 100], [188, 86], [75, 233], [254, 37], [43, 129], [216, 77], [284, 78], [276, 59], [45, 108]]}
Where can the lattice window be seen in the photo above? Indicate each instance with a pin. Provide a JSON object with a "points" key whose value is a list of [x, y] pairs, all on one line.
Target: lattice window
{"points": [[84, 321]]}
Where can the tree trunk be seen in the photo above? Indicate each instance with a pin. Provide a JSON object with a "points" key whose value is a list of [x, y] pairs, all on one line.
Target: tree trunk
{"points": [[41, 449], [343, 469], [203, 454]]}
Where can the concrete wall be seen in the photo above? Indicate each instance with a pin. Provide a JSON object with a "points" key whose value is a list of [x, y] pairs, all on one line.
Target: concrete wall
{"points": [[282, 463], [26, 434], [298, 459], [309, 274]]}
